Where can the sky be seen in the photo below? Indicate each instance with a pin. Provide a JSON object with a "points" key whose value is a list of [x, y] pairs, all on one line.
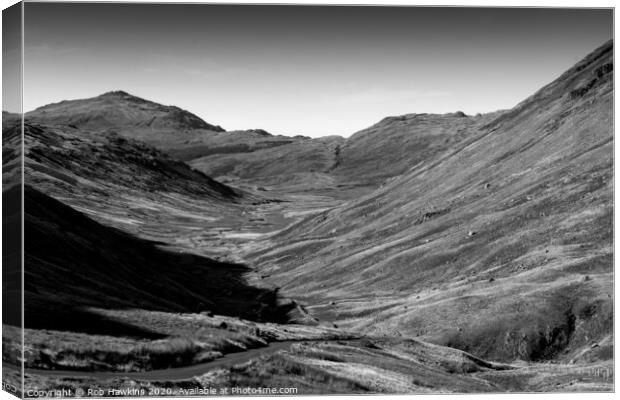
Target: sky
{"points": [[306, 70], [11, 58]]}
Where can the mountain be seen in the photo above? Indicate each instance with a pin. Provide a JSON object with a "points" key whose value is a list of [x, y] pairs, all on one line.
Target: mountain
{"points": [[500, 245], [172, 130], [255, 158], [120, 111]]}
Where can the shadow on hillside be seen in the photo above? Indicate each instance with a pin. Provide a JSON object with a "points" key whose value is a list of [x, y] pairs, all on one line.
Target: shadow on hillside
{"points": [[73, 262]]}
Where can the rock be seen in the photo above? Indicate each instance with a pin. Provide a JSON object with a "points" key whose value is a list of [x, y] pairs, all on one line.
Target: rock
{"points": [[472, 233]]}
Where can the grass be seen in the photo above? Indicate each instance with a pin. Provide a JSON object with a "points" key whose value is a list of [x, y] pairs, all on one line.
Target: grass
{"points": [[187, 339]]}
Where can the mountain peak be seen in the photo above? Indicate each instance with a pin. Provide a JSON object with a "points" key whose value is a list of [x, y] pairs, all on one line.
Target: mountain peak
{"points": [[115, 93], [121, 111]]}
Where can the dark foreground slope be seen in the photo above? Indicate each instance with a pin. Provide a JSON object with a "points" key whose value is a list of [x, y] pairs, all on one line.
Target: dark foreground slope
{"points": [[501, 246], [73, 263]]}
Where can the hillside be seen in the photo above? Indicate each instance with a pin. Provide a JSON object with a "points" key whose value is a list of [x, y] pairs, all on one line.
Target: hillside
{"points": [[122, 272], [501, 246], [395, 144], [122, 181], [128, 185]]}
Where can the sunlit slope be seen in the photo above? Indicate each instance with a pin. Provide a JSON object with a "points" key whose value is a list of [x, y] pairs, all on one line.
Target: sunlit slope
{"points": [[501, 245], [394, 145]]}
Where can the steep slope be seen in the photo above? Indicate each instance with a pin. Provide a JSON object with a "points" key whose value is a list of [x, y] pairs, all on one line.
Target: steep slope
{"points": [[11, 220], [134, 248], [11, 150], [501, 246], [73, 263], [68, 154], [125, 183]]}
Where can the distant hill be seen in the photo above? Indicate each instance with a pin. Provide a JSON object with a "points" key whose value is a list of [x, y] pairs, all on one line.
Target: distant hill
{"points": [[258, 158], [500, 243], [121, 111], [395, 144], [171, 129]]}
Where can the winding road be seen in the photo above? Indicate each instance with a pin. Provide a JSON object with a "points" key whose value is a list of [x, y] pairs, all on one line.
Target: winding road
{"points": [[171, 374]]}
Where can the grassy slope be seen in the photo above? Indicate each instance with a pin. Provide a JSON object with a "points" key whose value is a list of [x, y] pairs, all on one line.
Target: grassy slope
{"points": [[501, 246], [394, 145]]}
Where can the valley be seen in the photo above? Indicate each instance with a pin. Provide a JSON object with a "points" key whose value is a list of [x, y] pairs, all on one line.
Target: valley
{"points": [[425, 254]]}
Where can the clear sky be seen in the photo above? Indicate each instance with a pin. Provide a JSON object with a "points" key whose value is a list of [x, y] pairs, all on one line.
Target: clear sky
{"points": [[299, 69]]}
